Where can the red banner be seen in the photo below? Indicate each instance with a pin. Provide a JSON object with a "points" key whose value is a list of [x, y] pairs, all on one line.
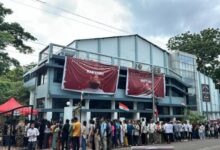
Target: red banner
{"points": [[89, 76], [139, 84]]}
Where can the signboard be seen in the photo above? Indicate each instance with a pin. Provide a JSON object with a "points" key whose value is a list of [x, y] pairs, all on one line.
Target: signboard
{"points": [[206, 93], [139, 84], [89, 76]]}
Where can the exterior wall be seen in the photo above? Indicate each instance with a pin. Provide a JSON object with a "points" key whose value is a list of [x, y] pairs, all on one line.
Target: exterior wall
{"points": [[133, 48], [213, 105]]}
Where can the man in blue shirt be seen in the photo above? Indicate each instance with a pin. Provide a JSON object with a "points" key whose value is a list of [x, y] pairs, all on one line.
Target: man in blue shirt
{"points": [[129, 131], [104, 134]]}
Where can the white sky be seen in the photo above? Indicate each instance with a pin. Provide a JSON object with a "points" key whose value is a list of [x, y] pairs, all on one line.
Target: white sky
{"points": [[136, 17]]}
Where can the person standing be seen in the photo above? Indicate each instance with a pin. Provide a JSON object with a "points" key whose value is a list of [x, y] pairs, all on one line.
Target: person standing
{"points": [[189, 126], [124, 129], [104, 134], [84, 135], [56, 131], [130, 131], [65, 134], [143, 132], [158, 133], [216, 128], [151, 129], [136, 133], [202, 132], [168, 127], [91, 138], [76, 133], [32, 134], [97, 135], [122, 134]]}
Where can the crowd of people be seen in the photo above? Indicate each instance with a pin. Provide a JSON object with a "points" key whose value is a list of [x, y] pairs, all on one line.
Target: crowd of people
{"points": [[103, 134]]}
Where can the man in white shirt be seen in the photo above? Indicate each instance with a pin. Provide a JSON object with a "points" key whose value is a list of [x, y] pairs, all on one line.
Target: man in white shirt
{"points": [[168, 127], [32, 134], [151, 130], [185, 130], [189, 131]]}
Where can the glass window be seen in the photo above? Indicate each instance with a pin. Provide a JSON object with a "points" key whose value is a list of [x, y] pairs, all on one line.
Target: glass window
{"points": [[144, 106], [58, 75], [178, 110], [59, 102], [97, 104], [41, 103], [122, 83], [163, 110], [42, 78], [176, 93], [167, 91]]}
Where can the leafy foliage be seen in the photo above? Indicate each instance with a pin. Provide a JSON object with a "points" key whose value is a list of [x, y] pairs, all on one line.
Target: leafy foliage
{"points": [[205, 45], [11, 85], [11, 34], [195, 117]]}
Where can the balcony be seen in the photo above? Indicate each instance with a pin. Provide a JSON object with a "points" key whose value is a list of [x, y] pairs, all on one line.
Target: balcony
{"points": [[54, 49], [174, 101], [30, 84]]}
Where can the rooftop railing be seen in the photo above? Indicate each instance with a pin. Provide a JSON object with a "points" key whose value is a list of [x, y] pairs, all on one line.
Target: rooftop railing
{"points": [[55, 49]]}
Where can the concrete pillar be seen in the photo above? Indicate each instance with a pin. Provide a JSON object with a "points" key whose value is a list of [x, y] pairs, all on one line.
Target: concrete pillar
{"points": [[71, 102], [48, 105], [171, 111], [87, 103], [88, 116], [135, 106], [136, 114], [31, 101], [114, 115]]}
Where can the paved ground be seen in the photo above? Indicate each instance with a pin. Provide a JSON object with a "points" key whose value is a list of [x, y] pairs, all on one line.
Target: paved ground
{"points": [[210, 144]]}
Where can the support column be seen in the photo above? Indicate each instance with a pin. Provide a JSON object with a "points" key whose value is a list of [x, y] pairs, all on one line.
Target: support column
{"points": [[49, 105], [31, 101], [71, 102], [114, 114], [88, 113], [171, 111], [136, 114]]}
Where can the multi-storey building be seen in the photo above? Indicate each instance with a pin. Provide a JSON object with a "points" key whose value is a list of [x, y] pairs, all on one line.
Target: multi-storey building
{"points": [[183, 82]]}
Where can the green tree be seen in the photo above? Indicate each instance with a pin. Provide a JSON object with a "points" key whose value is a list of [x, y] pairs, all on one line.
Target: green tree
{"points": [[11, 34], [195, 117], [205, 45], [11, 85]]}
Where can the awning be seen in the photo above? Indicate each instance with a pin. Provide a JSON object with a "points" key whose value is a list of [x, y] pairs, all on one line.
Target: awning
{"points": [[12, 103]]}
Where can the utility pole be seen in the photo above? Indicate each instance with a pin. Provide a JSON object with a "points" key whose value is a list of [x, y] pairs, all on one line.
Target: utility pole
{"points": [[153, 94], [81, 100], [206, 101]]}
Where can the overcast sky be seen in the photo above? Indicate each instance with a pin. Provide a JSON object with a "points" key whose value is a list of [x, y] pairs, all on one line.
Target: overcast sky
{"points": [[155, 20]]}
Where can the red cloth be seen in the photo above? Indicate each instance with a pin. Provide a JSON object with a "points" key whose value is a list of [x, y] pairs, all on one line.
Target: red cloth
{"points": [[12, 104], [89, 76]]}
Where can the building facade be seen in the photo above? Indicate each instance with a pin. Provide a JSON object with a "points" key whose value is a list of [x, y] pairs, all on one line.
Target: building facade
{"points": [[183, 81]]}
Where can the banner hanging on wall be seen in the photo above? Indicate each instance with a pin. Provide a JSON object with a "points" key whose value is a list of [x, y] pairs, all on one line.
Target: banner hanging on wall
{"points": [[206, 93], [139, 84], [89, 76]]}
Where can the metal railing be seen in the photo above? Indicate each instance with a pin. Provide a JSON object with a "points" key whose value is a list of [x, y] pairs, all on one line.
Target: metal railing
{"points": [[55, 49]]}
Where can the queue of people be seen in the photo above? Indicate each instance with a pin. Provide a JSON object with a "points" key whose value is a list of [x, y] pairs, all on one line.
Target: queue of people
{"points": [[102, 134]]}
